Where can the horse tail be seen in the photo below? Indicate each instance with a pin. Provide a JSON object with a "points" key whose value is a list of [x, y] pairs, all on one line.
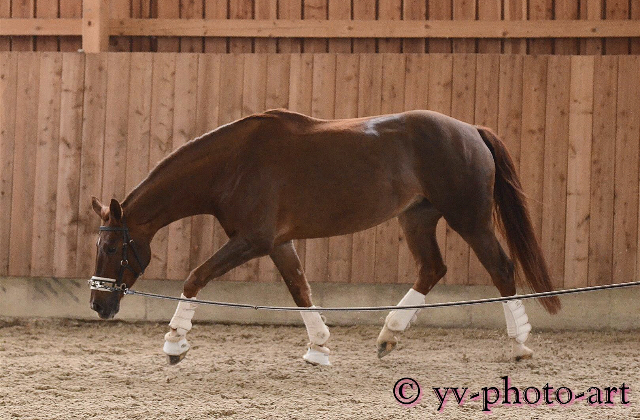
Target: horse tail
{"points": [[514, 221]]}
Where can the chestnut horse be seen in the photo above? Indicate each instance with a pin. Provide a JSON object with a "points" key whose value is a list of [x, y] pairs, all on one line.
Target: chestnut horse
{"points": [[277, 176]]}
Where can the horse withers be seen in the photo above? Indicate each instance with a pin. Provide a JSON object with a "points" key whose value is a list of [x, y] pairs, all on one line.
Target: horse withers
{"points": [[277, 176]]}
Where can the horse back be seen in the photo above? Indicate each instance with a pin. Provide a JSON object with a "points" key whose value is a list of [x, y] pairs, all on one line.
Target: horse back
{"points": [[329, 177]]}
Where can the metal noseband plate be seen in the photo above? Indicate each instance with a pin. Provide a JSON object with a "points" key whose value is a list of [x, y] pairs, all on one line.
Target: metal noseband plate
{"points": [[105, 284]]}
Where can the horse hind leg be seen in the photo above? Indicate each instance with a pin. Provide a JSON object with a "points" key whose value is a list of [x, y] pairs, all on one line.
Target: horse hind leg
{"points": [[286, 260], [501, 268], [419, 226]]}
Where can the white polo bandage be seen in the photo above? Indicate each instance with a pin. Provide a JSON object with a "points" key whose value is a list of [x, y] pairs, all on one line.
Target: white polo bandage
{"points": [[518, 326], [317, 330], [181, 320], [399, 320]]}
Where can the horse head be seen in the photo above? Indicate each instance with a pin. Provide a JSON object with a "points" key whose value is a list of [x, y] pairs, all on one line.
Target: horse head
{"points": [[122, 254]]}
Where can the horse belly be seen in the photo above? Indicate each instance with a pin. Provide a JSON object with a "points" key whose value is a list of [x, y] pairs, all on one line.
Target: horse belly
{"points": [[342, 202]]}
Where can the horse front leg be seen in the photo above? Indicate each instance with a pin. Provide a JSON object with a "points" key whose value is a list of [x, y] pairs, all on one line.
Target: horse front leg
{"points": [[286, 259], [234, 253]]}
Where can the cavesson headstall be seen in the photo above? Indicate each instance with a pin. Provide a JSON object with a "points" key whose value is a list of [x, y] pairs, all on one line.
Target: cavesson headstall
{"points": [[108, 284]]}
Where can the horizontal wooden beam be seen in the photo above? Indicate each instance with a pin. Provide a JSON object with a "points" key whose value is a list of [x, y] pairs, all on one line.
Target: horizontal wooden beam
{"points": [[375, 28], [332, 28], [59, 27]]}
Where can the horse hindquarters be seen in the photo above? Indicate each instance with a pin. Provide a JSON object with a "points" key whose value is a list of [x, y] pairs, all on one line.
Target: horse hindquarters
{"points": [[467, 204], [476, 227]]}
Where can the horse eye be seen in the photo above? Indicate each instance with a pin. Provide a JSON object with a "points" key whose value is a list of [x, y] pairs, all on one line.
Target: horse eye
{"points": [[111, 250]]}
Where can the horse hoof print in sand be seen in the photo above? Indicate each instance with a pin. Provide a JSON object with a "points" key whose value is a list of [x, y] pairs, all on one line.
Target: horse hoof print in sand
{"points": [[278, 176]]}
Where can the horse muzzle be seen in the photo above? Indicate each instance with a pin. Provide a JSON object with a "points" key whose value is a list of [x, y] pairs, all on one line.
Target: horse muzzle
{"points": [[106, 305], [104, 312]]}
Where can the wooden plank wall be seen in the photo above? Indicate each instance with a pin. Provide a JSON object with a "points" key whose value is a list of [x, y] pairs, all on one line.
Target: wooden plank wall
{"points": [[72, 126], [335, 10]]}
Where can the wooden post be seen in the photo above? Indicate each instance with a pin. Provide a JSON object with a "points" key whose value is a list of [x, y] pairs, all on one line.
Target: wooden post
{"points": [[95, 26]]}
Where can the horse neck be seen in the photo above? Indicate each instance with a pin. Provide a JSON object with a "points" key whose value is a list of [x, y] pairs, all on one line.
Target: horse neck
{"points": [[159, 204], [185, 184]]}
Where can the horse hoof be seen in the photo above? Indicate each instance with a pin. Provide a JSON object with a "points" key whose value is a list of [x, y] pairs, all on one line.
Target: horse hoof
{"points": [[386, 342], [176, 348], [174, 360], [385, 348], [317, 356], [521, 352]]}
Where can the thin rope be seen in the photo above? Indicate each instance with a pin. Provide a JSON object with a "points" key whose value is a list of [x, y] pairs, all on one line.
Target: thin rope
{"points": [[386, 308]]}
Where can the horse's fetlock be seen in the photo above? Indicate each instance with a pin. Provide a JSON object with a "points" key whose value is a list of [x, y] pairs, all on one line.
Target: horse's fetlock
{"points": [[181, 320], [398, 320], [193, 285], [190, 290]]}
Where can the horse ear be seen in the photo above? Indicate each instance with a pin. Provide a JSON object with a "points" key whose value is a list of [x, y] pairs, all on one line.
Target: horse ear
{"points": [[100, 209], [97, 206], [116, 209]]}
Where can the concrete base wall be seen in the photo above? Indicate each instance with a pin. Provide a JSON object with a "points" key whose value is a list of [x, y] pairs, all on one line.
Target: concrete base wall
{"points": [[66, 298]]}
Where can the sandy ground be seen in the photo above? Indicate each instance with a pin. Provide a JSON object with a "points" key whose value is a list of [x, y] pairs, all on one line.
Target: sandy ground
{"points": [[115, 370]]}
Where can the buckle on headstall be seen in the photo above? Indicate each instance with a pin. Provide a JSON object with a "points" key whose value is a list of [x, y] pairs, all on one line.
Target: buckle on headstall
{"points": [[106, 284]]}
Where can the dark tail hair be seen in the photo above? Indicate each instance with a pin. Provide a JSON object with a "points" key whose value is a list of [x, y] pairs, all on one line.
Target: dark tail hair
{"points": [[515, 223]]}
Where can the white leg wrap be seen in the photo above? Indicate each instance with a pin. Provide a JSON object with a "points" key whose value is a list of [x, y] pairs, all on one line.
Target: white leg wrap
{"points": [[399, 320], [518, 326], [317, 330], [181, 320]]}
